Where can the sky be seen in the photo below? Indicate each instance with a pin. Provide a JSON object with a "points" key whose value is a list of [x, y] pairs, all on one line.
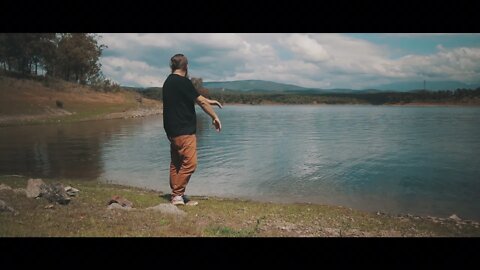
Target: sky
{"points": [[314, 60]]}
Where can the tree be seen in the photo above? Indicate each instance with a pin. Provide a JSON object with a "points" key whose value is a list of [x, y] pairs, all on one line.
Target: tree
{"points": [[43, 49], [77, 57], [198, 84], [24, 52]]}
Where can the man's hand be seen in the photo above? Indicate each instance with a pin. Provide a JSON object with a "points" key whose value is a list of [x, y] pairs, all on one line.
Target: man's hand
{"points": [[207, 108], [214, 102], [217, 124]]}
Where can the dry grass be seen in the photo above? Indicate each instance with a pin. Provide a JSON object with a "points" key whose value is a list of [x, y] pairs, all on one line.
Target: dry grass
{"points": [[24, 101]]}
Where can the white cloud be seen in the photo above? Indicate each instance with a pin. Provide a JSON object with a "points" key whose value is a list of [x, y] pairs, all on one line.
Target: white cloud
{"points": [[130, 72], [132, 40], [311, 60], [461, 64], [307, 48]]}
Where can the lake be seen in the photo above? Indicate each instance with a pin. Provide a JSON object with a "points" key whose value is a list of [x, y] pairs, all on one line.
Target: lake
{"points": [[396, 159]]}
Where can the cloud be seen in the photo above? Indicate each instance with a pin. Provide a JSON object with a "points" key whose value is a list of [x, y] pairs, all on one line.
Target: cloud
{"points": [[462, 64], [307, 48], [310, 60], [133, 73]]}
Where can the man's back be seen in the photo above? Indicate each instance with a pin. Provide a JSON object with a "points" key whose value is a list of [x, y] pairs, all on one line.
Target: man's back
{"points": [[179, 97]]}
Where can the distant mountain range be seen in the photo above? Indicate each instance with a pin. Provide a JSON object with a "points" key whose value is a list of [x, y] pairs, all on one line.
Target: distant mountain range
{"points": [[435, 86], [248, 85], [260, 85], [269, 86]]}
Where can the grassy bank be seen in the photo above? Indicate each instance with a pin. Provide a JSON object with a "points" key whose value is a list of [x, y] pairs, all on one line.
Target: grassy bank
{"points": [[26, 101], [87, 215]]}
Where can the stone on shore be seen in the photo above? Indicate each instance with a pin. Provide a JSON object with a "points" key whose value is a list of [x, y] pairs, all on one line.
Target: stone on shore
{"points": [[167, 208], [121, 201], [71, 191], [54, 193], [4, 207], [33, 187], [118, 206], [455, 217], [4, 187], [20, 191]]}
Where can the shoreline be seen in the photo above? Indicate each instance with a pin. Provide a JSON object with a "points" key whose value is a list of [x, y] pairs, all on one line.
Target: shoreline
{"points": [[31, 102], [22, 120], [87, 215], [413, 104], [63, 117]]}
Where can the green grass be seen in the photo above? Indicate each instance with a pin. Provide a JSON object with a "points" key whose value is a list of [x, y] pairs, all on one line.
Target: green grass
{"points": [[87, 215]]}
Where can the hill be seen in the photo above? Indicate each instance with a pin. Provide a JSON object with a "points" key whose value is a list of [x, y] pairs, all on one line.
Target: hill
{"points": [[429, 85], [247, 85], [30, 101], [268, 86]]}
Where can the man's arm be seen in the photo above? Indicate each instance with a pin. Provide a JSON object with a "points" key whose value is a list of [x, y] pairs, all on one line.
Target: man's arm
{"points": [[207, 108], [214, 102]]}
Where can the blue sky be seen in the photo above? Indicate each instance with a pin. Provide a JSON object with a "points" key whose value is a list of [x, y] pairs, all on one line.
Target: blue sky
{"points": [[355, 60]]}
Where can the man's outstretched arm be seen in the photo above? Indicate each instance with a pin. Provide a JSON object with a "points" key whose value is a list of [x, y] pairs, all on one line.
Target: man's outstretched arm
{"points": [[214, 102], [207, 108]]}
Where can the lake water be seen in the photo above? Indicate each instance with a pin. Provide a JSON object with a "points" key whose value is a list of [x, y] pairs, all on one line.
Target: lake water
{"points": [[405, 159]]}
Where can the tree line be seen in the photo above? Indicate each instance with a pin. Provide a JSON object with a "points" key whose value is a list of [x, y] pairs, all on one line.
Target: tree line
{"points": [[72, 57], [458, 96]]}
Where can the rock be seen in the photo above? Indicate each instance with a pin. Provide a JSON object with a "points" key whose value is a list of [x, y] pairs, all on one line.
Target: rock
{"points": [[4, 187], [50, 206], [168, 208], [118, 206], [455, 217], [354, 233], [286, 226], [20, 191], [71, 191], [54, 193], [33, 187], [331, 231], [4, 207], [122, 201]]}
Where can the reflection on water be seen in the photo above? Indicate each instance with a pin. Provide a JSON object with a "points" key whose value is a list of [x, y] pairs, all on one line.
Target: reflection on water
{"points": [[421, 160], [72, 150]]}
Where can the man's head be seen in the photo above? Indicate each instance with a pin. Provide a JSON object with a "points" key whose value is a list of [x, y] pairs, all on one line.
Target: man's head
{"points": [[179, 61]]}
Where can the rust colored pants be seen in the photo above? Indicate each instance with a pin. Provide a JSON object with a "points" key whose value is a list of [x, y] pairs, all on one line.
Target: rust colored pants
{"points": [[183, 153]]}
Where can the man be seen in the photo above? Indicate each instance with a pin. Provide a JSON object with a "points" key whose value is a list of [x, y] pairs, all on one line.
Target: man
{"points": [[180, 123]]}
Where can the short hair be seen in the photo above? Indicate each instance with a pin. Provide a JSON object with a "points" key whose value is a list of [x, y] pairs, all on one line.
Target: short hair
{"points": [[178, 61]]}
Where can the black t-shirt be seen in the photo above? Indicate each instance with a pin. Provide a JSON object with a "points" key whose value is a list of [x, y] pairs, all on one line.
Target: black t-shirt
{"points": [[179, 96]]}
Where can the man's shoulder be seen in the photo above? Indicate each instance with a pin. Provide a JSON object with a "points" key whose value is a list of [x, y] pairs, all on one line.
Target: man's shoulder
{"points": [[169, 77], [177, 79]]}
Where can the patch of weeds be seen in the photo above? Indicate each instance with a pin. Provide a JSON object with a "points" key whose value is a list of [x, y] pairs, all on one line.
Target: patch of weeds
{"points": [[224, 231]]}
